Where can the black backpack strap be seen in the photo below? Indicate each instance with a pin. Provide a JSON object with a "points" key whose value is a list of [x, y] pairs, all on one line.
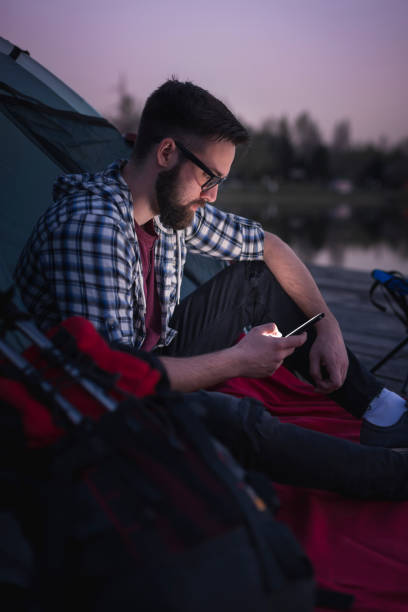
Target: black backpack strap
{"points": [[67, 350], [299, 564], [334, 600]]}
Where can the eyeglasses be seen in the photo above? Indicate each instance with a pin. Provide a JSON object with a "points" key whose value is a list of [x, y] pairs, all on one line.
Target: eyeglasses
{"points": [[214, 178]]}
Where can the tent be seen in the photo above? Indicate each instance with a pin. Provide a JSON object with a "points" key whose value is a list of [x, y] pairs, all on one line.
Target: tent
{"points": [[47, 129]]}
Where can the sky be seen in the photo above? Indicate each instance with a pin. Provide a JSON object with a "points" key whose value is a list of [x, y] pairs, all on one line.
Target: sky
{"points": [[336, 59]]}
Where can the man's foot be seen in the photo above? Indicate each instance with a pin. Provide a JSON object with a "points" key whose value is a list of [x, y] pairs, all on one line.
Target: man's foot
{"points": [[385, 409], [394, 436]]}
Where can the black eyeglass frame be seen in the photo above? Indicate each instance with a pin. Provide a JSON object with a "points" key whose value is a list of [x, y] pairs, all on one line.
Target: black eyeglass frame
{"points": [[214, 178]]}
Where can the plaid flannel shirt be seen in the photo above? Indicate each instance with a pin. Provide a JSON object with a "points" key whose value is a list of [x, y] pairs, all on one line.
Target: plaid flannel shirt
{"points": [[83, 257]]}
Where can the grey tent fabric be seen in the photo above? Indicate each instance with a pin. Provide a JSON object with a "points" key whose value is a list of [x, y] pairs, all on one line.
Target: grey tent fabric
{"points": [[24, 74], [47, 129], [198, 270], [74, 141]]}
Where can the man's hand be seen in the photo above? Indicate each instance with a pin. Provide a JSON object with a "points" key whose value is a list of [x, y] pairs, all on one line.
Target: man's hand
{"points": [[328, 357], [260, 353], [257, 355]]}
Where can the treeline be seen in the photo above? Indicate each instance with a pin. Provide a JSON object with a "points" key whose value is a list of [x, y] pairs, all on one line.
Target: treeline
{"points": [[297, 152], [284, 151]]}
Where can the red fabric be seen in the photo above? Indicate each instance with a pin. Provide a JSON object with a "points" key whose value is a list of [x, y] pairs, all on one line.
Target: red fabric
{"points": [[134, 375], [356, 547]]}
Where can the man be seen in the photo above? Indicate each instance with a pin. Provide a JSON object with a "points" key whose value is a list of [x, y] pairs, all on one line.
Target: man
{"points": [[113, 246]]}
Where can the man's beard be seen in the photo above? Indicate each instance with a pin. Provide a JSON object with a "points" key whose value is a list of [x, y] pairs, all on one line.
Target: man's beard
{"points": [[172, 214]]}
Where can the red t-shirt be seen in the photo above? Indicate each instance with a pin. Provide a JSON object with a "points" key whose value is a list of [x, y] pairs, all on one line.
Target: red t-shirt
{"points": [[147, 237]]}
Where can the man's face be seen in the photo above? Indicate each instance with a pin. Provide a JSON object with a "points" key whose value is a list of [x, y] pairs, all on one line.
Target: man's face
{"points": [[178, 190]]}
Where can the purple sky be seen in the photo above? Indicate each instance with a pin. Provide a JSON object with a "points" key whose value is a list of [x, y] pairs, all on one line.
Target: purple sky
{"points": [[334, 58]]}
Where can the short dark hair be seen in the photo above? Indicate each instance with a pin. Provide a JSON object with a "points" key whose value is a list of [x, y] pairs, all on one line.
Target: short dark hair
{"points": [[180, 110]]}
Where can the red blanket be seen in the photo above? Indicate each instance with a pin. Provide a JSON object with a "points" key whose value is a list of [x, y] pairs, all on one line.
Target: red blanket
{"points": [[356, 547]]}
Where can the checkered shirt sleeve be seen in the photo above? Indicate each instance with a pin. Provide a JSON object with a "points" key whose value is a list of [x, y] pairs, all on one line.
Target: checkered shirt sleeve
{"points": [[225, 235], [87, 263]]}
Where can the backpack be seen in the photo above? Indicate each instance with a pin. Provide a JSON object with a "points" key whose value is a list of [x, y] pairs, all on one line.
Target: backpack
{"points": [[123, 499]]}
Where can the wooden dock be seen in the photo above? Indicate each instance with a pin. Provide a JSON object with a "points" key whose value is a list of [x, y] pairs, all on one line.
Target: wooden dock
{"points": [[369, 332]]}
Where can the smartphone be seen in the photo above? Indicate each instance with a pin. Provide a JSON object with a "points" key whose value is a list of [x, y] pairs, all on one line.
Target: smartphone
{"points": [[306, 324]]}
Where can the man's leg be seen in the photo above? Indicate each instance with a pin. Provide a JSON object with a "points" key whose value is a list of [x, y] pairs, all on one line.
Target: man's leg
{"points": [[293, 455], [214, 315], [247, 293]]}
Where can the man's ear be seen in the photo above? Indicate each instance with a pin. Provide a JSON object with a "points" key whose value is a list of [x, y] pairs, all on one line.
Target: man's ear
{"points": [[166, 154]]}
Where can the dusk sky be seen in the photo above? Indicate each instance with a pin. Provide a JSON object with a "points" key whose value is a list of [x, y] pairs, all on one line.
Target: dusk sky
{"points": [[265, 58]]}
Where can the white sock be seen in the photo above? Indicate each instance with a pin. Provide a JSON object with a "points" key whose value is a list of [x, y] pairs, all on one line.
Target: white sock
{"points": [[385, 409]]}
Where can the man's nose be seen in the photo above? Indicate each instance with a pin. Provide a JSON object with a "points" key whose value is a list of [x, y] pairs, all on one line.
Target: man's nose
{"points": [[210, 194]]}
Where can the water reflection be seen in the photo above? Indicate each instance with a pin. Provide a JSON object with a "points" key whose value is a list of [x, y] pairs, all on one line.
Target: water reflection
{"points": [[363, 239], [358, 258]]}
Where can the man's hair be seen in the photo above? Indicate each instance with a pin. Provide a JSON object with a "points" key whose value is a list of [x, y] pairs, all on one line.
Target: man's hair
{"points": [[184, 110]]}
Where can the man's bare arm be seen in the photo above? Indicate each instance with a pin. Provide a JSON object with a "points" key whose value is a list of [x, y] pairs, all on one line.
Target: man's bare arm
{"points": [[256, 355], [294, 277], [328, 356]]}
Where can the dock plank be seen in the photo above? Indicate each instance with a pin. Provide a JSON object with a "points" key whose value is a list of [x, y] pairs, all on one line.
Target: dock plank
{"points": [[369, 333]]}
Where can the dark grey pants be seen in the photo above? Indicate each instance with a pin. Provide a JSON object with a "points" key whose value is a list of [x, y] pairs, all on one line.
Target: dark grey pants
{"points": [[293, 455], [246, 293], [212, 318]]}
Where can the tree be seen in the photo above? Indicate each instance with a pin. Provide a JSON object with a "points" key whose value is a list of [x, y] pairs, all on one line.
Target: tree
{"points": [[285, 153], [319, 164], [342, 136], [341, 149], [306, 135], [127, 114], [309, 147]]}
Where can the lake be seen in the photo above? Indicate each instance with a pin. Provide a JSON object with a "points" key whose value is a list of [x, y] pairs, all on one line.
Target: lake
{"points": [[363, 231], [357, 258], [358, 242]]}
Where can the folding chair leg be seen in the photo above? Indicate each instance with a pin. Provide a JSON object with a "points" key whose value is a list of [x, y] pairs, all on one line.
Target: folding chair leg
{"points": [[395, 350], [404, 386], [389, 355]]}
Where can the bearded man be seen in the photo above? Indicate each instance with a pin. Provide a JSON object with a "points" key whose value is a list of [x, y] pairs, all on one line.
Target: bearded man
{"points": [[112, 249]]}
